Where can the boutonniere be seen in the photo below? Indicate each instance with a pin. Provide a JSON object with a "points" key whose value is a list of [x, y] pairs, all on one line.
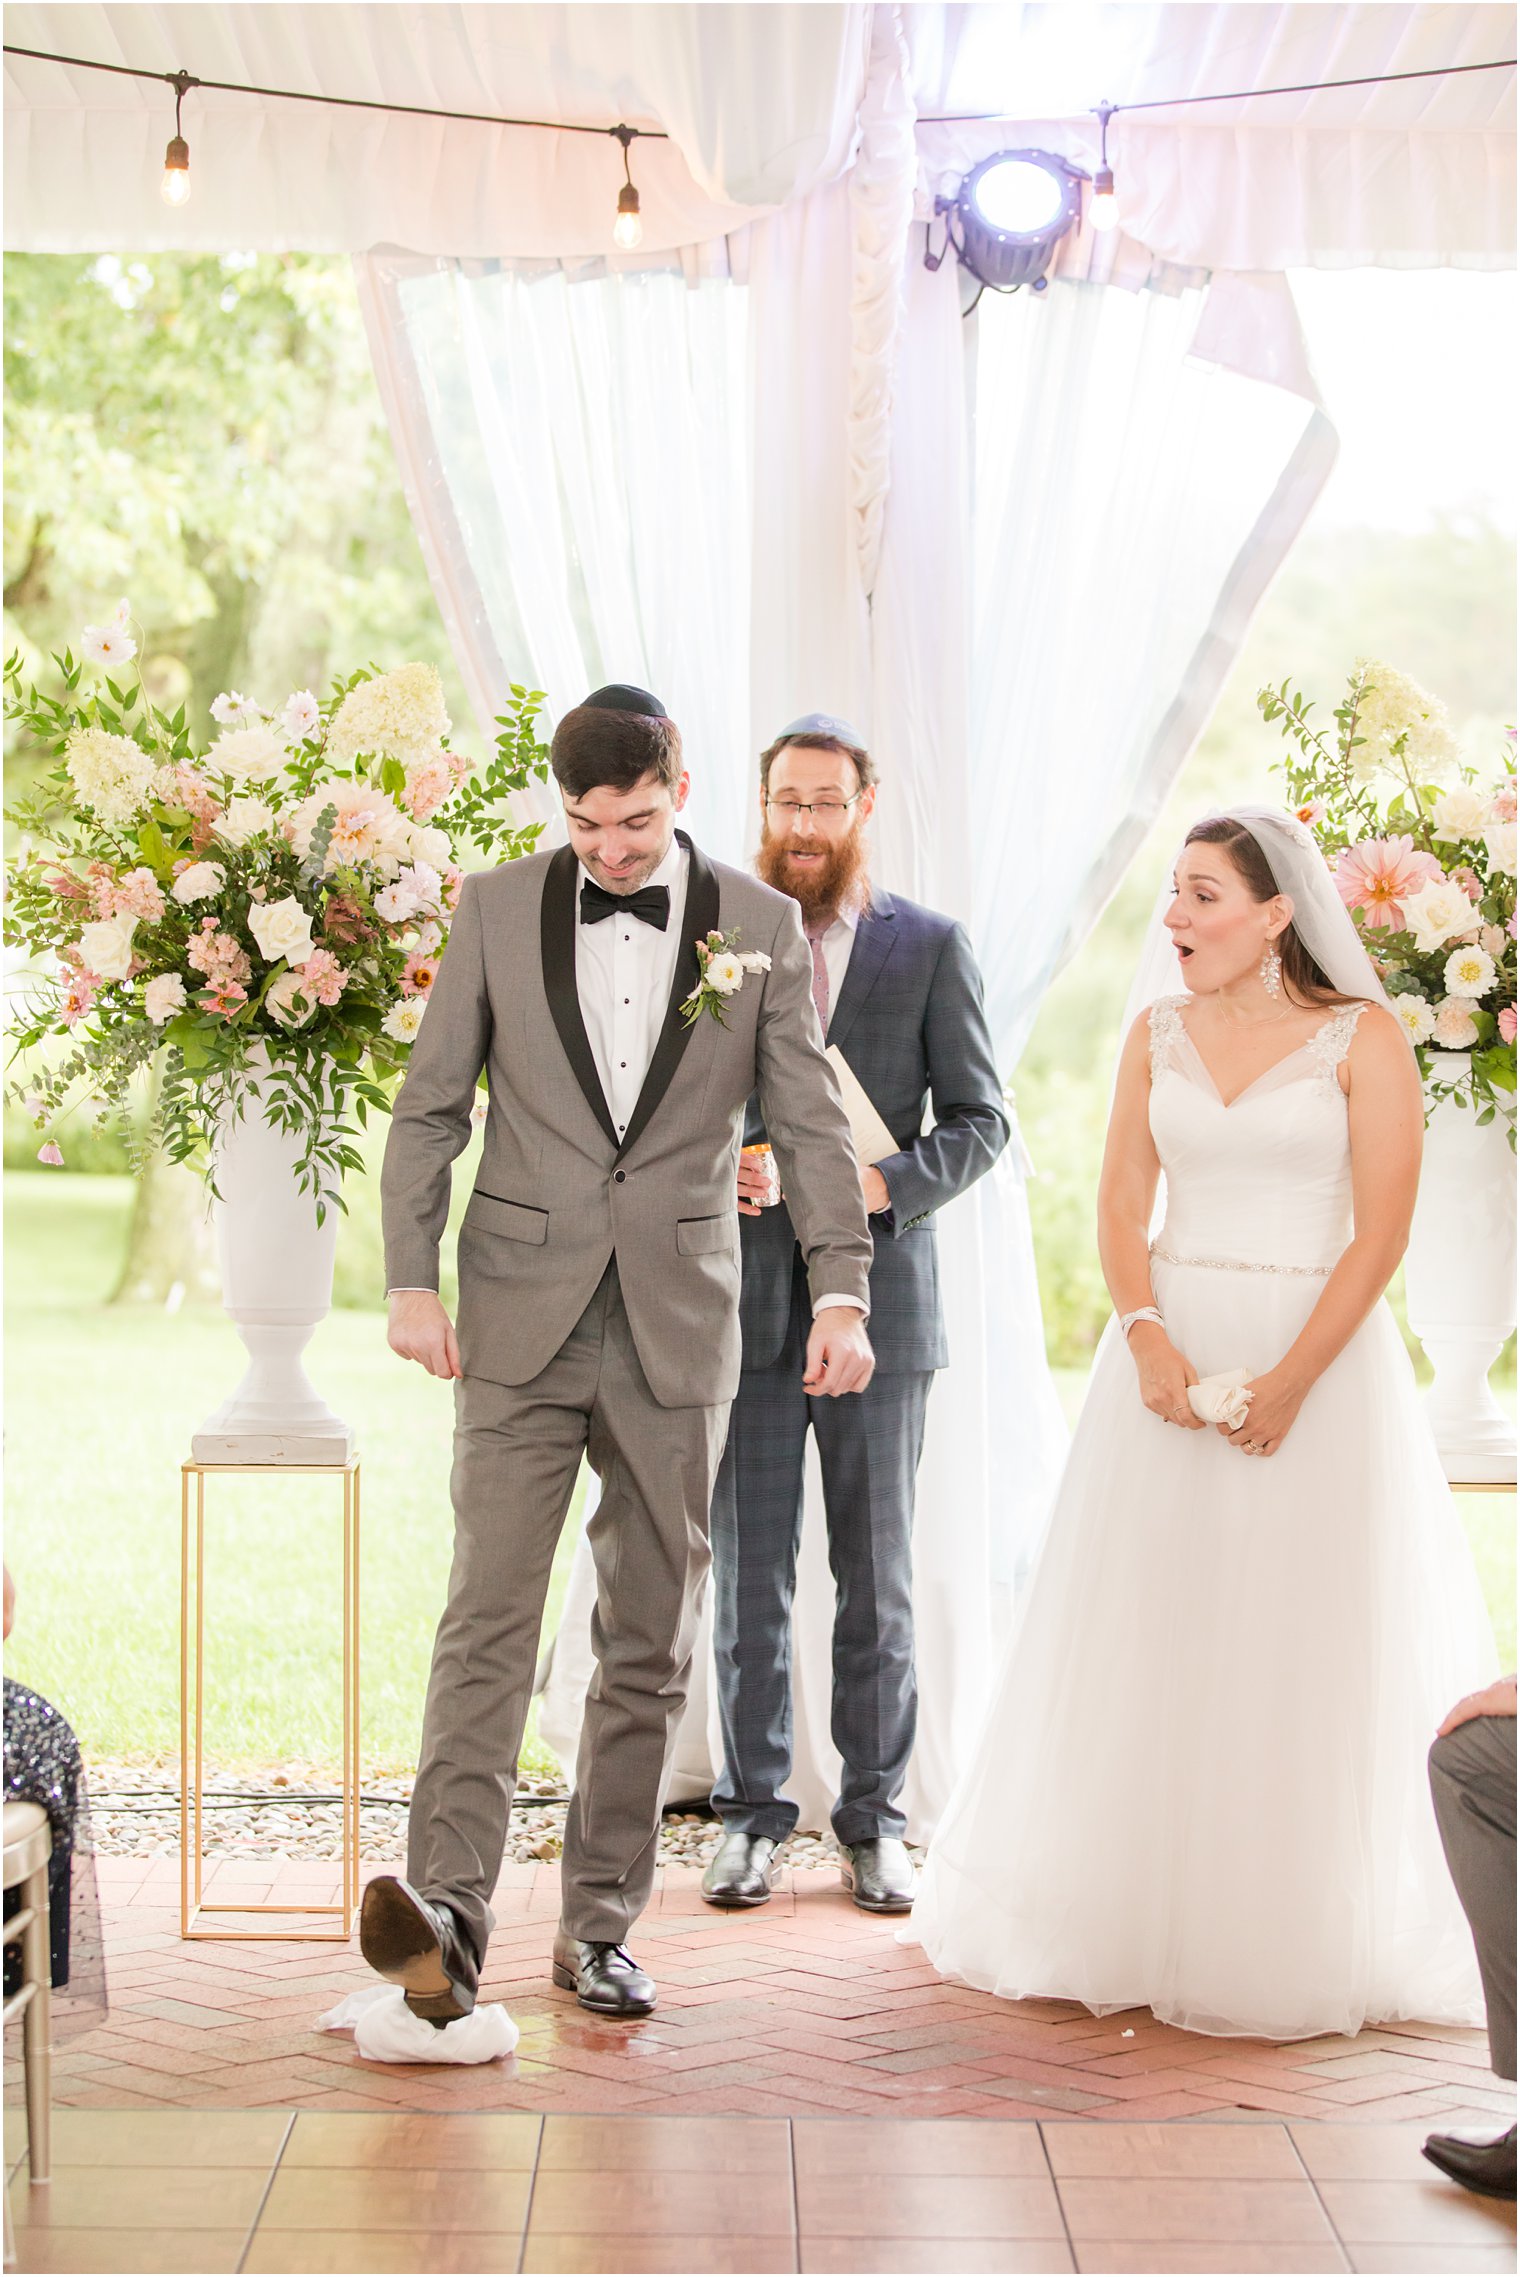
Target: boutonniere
{"points": [[722, 969]]}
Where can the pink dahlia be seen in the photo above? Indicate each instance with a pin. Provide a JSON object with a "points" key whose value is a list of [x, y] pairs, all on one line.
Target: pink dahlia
{"points": [[1380, 875]]}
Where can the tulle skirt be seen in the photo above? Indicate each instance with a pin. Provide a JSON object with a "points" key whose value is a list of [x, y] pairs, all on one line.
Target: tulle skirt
{"points": [[1202, 1786]]}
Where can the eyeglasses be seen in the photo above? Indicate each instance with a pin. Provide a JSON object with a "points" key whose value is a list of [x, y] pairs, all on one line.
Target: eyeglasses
{"points": [[822, 810]]}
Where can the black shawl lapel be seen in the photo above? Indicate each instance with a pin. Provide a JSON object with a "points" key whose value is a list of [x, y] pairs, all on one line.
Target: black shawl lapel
{"points": [[875, 939], [557, 922], [700, 919]]}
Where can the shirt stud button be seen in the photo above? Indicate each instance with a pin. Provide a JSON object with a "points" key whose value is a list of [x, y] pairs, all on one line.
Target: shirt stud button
{"points": [[618, 1176]]}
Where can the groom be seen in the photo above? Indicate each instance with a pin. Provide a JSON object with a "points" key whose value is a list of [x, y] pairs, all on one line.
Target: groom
{"points": [[598, 1315]]}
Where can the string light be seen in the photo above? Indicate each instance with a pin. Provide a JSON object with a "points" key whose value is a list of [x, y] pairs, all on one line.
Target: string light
{"points": [[1103, 206], [176, 182], [628, 229]]}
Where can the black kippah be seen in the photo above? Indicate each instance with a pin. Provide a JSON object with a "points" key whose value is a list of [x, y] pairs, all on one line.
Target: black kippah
{"points": [[619, 697]]}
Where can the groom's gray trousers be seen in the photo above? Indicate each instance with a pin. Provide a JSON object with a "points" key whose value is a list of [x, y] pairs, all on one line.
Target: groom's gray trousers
{"points": [[517, 1452], [1472, 1782]]}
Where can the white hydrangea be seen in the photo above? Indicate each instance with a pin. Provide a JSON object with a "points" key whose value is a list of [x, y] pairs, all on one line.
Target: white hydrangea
{"points": [[111, 774], [1396, 710], [397, 715], [249, 754]]}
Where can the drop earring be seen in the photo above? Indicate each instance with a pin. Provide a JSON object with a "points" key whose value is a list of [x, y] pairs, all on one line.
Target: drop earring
{"points": [[1271, 970]]}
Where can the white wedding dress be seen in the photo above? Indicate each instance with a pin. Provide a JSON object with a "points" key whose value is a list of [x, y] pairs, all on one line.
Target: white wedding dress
{"points": [[1202, 1785]]}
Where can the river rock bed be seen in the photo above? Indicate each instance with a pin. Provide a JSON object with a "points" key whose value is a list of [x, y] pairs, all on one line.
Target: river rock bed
{"points": [[291, 1811]]}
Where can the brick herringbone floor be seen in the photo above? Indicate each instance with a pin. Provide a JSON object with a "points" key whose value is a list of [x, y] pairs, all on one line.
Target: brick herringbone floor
{"points": [[804, 2007]]}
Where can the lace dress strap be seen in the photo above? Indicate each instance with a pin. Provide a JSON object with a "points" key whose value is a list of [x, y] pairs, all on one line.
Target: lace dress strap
{"points": [[1167, 1030], [1329, 1045]]}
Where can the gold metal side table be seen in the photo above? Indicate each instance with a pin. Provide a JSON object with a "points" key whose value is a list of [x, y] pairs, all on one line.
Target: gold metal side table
{"points": [[192, 1702]]}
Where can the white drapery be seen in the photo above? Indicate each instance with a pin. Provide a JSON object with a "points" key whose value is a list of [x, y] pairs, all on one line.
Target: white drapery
{"points": [[763, 104]]}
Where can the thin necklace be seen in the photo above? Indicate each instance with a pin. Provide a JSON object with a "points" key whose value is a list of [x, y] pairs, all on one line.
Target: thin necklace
{"points": [[1267, 1020]]}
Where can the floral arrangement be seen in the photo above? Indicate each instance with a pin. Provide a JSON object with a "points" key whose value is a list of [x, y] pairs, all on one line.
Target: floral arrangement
{"points": [[721, 971], [1422, 849], [268, 913]]}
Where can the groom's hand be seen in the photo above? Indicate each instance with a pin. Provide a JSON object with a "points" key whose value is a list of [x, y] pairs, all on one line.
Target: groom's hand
{"points": [[839, 1355], [421, 1330]]}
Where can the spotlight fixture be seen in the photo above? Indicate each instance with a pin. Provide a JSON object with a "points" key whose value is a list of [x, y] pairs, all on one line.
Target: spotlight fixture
{"points": [[1008, 216], [1103, 206], [628, 229], [176, 182]]}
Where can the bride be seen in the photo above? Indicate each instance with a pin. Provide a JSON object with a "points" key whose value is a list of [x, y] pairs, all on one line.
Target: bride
{"points": [[1201, 1787]]}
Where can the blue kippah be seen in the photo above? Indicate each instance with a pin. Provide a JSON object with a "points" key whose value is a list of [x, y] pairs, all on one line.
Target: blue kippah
{"points": [[823, 723], [619, 697]]}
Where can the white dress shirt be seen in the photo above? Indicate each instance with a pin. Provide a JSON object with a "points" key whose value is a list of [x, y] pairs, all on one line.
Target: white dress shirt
{"points": [[623, 972]]}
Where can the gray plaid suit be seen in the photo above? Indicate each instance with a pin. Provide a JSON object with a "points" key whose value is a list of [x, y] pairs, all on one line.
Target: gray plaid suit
{"points": [[909, 1020], [598, 1313]]}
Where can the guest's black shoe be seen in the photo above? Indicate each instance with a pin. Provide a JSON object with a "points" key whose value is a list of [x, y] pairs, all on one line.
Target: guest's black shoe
{"points": [[878, 1875], [604, 1978], [742, 1870], [419, 1946], [1488, 2168]]}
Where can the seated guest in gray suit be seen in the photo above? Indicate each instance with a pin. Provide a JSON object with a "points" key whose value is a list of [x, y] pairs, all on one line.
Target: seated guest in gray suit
{"points": [[896, 989]]}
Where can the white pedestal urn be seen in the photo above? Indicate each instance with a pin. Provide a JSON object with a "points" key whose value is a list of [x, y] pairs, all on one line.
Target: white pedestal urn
{"points": [[277, 1276], [1459, 1278]]}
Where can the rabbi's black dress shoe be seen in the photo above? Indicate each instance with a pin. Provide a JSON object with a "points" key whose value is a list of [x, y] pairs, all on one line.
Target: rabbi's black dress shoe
{"points": [[878, 1875], [604, 1978], [1488, 2168], [419, 1946], [742, 1870]]}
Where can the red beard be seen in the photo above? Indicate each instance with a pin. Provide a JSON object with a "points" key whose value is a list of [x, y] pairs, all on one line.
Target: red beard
{"points": [[839, 881]]}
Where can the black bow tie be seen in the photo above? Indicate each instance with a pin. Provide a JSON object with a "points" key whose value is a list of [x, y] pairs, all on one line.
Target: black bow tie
{"points": [[651, 904]]}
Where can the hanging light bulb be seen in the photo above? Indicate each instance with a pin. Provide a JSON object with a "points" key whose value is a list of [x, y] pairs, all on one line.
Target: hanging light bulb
{"points": [[628, 229], [176, 182], [1103, 206]]}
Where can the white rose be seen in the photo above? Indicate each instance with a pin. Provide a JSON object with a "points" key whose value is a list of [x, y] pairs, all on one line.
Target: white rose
{"points": [[1436, 912], [107, 947], [198, 881], [1469, 971], [1418, 1016], [404, 1019], [1499, 838], [725, 973], [244, 819], [252, 754], [282, 929], [430, 849], [287, 1001], [164, 996], [1455, 1028], [1459, 813]]}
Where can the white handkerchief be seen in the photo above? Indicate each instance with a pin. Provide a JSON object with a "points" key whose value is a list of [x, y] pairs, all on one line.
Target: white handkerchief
{"points": [[873, 1141], [386, 2031], [1222, 1399]]}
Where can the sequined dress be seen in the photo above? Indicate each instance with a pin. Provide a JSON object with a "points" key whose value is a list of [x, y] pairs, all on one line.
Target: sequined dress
{"points": [[43, 1765], [1202, 1784]]}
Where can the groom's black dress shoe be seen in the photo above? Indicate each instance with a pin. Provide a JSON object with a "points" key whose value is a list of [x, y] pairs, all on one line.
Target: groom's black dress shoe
{"points": [[1488, 2168], [604, 1978], [420, 1947], [742, 1870], [878, 1875]]}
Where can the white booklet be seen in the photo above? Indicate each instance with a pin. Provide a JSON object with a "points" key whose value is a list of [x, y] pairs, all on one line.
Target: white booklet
{"points": [[873, 1141]]}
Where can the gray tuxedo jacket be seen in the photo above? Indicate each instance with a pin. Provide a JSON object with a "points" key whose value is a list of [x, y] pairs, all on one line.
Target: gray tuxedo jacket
{"points": [[557, 1194], [910, 1022]]}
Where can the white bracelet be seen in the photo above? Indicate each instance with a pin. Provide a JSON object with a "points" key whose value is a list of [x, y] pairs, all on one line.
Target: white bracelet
{"points": [[1145, 1312]]}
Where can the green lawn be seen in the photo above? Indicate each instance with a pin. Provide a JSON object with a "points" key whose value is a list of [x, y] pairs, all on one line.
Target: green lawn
{"points": [[101, 1406]]}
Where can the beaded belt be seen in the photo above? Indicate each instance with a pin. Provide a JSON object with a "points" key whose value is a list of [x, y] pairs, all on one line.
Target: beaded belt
{"points": [[1236, 1265]]}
